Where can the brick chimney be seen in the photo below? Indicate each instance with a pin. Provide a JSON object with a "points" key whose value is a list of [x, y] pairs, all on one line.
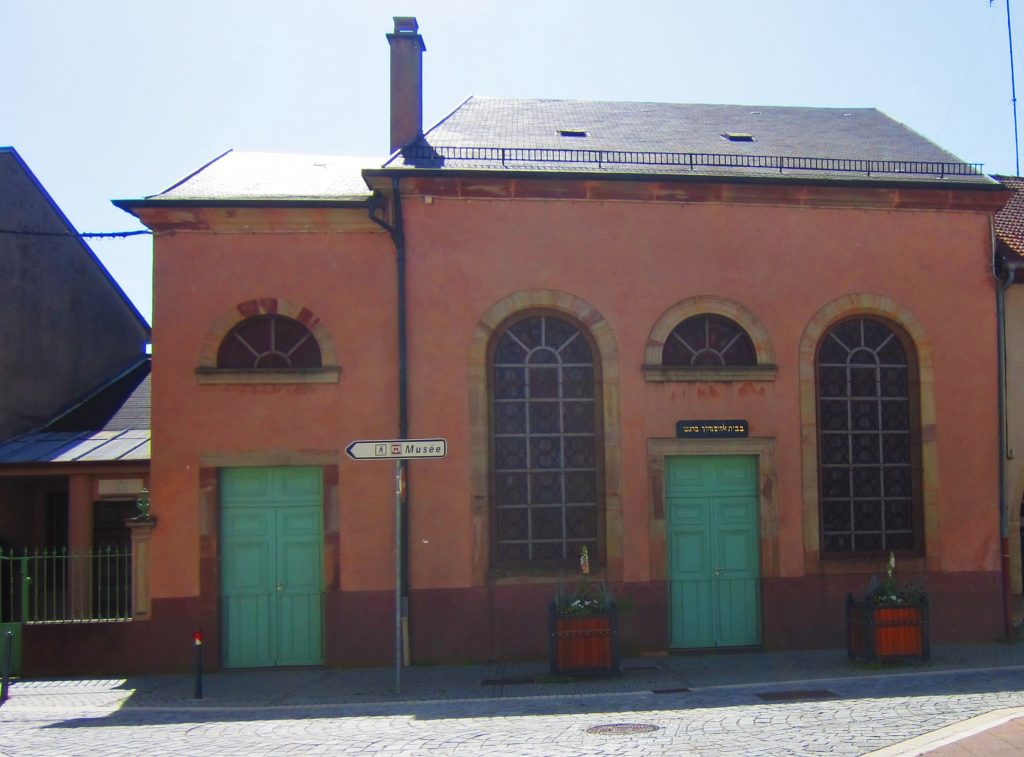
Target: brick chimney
{"points": [[407, 50]]}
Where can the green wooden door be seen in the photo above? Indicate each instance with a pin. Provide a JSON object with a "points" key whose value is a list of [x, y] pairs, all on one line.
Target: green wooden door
{"points": [[714, 554], [272, 561]]}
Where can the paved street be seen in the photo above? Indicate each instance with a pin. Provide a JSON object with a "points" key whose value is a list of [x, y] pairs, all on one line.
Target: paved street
{"points": [[787, 704]]}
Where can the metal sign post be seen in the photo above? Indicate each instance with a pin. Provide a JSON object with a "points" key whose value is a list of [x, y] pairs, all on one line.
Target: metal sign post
{"points": [[398, 576], [398, 450]]}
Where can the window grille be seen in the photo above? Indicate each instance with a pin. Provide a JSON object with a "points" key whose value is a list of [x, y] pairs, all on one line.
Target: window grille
{"points": [[866, 422], [545, 443], [271, 342], [704, 340]]}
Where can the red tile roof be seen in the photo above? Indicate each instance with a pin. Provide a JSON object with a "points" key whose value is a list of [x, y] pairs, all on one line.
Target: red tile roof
{"points": [[1010, 220]]}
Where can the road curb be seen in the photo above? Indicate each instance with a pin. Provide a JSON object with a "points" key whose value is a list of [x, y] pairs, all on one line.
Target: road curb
{"points": [[950, 734]]}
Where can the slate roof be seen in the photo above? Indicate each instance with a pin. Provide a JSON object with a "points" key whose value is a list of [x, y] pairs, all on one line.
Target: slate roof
{"points": [[627, 137], [120, 404], [77, 447], [112, 424], [1009, 221], [260, 176], [622, 138]]}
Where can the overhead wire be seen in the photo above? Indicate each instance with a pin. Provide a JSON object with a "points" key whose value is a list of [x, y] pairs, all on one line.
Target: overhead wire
{"points": [[85, 235]]}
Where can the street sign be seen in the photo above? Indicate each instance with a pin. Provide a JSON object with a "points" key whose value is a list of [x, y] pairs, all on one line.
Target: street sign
{"points": [[397, 449]]}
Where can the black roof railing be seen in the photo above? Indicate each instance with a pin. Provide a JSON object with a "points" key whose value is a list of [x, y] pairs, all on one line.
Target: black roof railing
{"points": [[425, 155]]}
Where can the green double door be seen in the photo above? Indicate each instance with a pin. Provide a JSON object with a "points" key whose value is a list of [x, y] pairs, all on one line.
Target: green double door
{"points": [[272, 566], [714, 550]]}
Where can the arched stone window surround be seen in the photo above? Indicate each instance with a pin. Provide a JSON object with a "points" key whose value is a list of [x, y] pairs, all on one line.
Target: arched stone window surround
{"points": [[765, 369], [207, 371], [554, 302], [851, 306]]}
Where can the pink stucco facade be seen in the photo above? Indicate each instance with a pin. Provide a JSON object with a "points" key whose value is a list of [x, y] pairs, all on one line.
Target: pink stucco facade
{"points": [[618, 257]]}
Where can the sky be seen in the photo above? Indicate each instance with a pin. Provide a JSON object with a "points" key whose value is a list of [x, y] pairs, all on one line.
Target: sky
{"points": [[119, 99]]}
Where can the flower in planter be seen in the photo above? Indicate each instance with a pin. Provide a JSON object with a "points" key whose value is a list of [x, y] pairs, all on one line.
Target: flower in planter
{"points": [[586, 599], [890, 594]]}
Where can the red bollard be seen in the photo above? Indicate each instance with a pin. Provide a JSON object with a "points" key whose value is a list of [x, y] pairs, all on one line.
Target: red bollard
{"points": [[198, 640]]}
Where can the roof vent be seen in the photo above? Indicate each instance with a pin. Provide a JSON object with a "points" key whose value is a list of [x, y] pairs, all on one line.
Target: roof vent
{"points": [[738, 136], [572, 133]]}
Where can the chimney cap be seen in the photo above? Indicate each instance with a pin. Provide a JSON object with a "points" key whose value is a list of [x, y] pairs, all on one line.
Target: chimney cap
{"points": [[406, 25]]}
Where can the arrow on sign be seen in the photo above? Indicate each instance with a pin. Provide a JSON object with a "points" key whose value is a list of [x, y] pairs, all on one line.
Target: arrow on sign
{"points": [[397, 449]]}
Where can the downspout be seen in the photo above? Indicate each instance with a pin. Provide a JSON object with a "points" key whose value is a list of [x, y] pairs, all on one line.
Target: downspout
{"points": [[1004, 281], [397, 231]]}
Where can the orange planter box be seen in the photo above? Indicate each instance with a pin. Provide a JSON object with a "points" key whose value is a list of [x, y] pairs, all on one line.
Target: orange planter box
{"points": [[883, 634], [583, 643]]}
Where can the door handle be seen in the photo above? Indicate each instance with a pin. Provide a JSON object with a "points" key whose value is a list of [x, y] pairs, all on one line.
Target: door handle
{"points": [[280, 586], [718, 572]]}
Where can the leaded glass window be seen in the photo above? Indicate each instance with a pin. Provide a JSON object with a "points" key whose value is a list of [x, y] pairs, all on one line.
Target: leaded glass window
{"points": [[866, 422], [703, 340], [545, 437], [270, 342]]}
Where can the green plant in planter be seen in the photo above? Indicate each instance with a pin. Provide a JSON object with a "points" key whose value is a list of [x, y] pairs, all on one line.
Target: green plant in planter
{"points": [[891, 594], [583, 628], [585, 599], [890, 623]]}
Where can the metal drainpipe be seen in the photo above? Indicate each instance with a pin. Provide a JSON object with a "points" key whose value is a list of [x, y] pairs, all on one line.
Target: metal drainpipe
{"points": [[1002, 284], [397, 232]]}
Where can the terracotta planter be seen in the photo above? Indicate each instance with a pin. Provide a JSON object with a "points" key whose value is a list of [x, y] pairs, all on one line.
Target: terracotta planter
{"points": [[884, 634], [583, 643]]}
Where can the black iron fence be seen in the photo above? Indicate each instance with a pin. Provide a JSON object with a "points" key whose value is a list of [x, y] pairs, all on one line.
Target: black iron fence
{"points": [[688, 160], [58, 586]]}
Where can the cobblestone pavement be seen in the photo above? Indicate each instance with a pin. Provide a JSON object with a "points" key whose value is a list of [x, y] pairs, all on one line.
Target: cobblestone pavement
{"points": [[848, 716], [851, 715]]}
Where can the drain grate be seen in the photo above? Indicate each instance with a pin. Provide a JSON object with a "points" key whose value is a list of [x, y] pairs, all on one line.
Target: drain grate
{"points": [[680, 690], [512, 681], [785, 696], [622, 729]]}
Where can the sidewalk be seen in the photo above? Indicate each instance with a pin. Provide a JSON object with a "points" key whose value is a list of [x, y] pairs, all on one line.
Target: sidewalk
{"points": [[783, 675]]}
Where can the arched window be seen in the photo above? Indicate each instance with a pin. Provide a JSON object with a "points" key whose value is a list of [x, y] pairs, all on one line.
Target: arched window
{"points": [[545, 443], [708, 340], [869, 456], [269, 341]]}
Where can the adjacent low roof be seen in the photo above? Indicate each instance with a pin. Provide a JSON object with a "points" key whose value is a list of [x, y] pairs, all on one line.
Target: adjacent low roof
{"points": [[111, 424], [262, 176], [77, 447], [652, 138]]}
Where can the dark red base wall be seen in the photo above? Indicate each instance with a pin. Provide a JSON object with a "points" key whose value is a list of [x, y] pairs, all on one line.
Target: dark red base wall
{"points": [[505, 623], [162, 644], [810, 612], [497, 623]]}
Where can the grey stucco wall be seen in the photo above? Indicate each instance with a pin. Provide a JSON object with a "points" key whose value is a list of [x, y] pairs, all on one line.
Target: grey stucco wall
{"points": [[64, 327]]}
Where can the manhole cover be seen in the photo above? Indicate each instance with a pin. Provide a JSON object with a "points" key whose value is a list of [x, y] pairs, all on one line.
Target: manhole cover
{"points": [[619, 729]]}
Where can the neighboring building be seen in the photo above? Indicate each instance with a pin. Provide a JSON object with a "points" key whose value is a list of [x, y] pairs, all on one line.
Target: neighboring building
{"points": [[1008, 265], [74, 427], [74, 552], [65, 325], [555, 287]]}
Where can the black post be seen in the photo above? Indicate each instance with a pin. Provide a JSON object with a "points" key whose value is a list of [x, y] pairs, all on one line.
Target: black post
{"points": [[8, 647], [553, 662], [198, 638]]}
